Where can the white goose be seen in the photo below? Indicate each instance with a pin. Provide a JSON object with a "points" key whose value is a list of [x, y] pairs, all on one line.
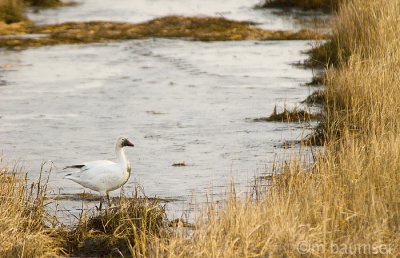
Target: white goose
{"points": [[104, 176]]}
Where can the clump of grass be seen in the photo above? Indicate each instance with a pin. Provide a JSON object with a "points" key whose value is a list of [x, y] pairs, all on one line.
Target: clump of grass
{"points": [[294, 115], [11, 11], [124, 229], [323, 5]]}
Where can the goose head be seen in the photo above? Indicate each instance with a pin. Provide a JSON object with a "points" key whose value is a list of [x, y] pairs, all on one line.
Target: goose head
{"points": [[124, 142]]}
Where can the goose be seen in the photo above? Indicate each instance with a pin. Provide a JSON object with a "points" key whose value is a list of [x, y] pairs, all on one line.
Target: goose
{"points": [[104, 176]]}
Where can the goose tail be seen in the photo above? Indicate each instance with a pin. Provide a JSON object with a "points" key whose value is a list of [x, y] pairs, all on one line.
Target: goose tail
{"points": [[70, 176]]}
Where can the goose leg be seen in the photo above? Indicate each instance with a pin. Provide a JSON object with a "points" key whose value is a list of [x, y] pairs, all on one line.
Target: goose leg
{"points": [[108, 199]]}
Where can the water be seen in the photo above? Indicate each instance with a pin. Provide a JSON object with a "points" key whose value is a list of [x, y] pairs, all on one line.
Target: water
{"points": [[179, 101], [144, 10]]}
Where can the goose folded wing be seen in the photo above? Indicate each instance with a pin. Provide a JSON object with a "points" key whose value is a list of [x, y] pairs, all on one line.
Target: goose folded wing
{"points": [[91, 164]]}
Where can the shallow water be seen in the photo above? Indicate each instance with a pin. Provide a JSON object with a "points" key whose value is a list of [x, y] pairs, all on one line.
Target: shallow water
{"points": [[179, 101], [144, 10]]}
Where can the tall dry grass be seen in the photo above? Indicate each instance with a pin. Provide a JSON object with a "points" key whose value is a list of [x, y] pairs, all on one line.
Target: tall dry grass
{"points": [[349, 203], [23, 232]]}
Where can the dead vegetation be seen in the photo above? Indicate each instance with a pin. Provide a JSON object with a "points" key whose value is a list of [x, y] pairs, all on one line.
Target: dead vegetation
{"points": [[23, 221]]}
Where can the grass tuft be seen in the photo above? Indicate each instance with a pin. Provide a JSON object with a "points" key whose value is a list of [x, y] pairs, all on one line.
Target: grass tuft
{"points": [[122, 229], [294, 115], [12, 11]]}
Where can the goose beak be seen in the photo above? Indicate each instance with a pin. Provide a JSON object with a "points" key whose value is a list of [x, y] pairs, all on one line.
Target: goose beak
{"points": [[128, 143]]}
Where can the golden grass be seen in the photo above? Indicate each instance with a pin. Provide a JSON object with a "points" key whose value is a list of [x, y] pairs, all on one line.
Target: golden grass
{"points": [[23, 232], [348, 203]]}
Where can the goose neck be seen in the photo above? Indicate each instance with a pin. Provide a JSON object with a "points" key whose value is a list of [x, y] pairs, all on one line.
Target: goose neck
{"points": [[120, 155]]}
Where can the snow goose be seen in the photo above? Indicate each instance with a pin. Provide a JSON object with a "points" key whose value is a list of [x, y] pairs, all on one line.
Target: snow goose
{"points": [[104, 176]]}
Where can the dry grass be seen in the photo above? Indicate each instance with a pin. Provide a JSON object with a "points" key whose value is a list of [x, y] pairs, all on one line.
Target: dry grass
{"points": [[22, 225], [348, 203], [11, 11], [120, 230]]}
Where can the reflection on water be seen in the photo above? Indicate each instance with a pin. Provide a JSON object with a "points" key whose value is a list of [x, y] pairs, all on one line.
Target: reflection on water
{"points": [[180, 101]]}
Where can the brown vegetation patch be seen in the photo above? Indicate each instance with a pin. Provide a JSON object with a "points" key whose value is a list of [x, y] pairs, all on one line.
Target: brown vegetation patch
{"points": [[116, 231], [193, 28], [23, 232]]}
